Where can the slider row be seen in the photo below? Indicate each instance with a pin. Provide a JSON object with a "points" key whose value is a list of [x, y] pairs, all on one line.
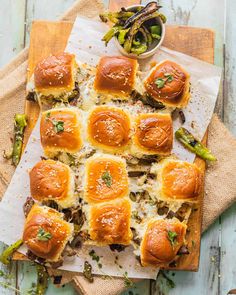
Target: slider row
{"points": [[106, 128], [61, 78], [105, 178], [46, 233]]}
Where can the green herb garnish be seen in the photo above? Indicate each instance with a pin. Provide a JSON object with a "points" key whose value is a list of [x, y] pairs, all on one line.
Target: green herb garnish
{"points": [[169, 77], [48, 115], [194, 145], [172, 237], [87, 272], [94, 255], [43, 235], [127, 281], [160, 82], [58, 126], [107, 178]]}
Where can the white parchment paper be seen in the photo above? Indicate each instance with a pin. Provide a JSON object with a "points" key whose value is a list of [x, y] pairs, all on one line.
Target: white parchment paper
{"points": [[85, 42]]}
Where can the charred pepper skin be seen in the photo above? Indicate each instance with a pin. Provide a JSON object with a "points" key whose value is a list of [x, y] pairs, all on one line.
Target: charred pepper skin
{"points": [[194, 145]]}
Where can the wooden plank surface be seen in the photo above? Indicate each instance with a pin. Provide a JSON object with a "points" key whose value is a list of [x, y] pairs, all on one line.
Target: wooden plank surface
{"points": [[208, 13]]}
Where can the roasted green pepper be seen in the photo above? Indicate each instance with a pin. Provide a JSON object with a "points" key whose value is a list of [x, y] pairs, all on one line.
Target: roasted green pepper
{"points": [[121, 36], [19, 127], [8, 252], [110, 34], [155, 32], [195, 146]]}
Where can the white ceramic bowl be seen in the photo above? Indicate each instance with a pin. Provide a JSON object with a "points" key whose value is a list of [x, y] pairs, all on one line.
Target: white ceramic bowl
{"points": [[153, 48]]}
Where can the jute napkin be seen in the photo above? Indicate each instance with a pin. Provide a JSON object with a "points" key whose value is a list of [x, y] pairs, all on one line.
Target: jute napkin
{"points": [[220, 183]]}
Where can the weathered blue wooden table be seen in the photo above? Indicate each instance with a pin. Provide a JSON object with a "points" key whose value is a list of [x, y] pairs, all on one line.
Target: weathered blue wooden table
{"points": [[217, 272]]}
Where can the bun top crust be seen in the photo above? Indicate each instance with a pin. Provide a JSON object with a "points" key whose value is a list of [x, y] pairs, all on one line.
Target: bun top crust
{"points": [[55, 74], [110, 223], [115, 75], [161, 242], [60, 130], [154, 133], [46, 233], [181, 180], [106, 179], [109, 128], [168, 83], [49, 180]]}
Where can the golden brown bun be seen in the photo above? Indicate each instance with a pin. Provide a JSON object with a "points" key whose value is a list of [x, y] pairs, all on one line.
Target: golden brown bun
{"points": [[50, 222], [156, 247], [154, 133], [181, 180], [106, 179], [109, 128], [51, 180], [174, 93], [115, 75], [65, 139], [55, 74], [110, 223]]}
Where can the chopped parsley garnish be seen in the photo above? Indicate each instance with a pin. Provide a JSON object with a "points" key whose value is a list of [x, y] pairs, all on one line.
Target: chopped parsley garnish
{"points": [[127, 281], [169, 77], [43, 235], [94, 255], [160, 82], [48, 115], [58, 126], [172, 237], [107, 178]]}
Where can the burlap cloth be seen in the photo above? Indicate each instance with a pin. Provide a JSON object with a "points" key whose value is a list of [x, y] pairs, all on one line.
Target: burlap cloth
{"points": [[220, 183]]}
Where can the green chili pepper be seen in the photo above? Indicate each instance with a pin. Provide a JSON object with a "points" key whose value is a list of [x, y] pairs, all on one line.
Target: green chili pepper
{"points": [[8, 252], [121, 36], [110, 34], [156, 32], [19, 127], [139, 49], [195, 146]]}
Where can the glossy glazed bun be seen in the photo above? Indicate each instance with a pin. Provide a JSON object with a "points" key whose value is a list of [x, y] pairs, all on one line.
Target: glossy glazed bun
{"points": [[60, 131], [161, 242], [51, 180], [55, 74], [110, 223], [115, 75], [46, 233], [180, 180], [154, 133], [168, 83], [106, 178], [109, 128]]}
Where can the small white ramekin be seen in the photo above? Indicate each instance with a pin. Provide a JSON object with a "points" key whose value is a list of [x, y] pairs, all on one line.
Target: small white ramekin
{"points": [[150, 51]]}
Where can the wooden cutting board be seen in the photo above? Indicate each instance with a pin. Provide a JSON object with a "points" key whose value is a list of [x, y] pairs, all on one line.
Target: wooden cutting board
{"points": [[51, 38]]}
